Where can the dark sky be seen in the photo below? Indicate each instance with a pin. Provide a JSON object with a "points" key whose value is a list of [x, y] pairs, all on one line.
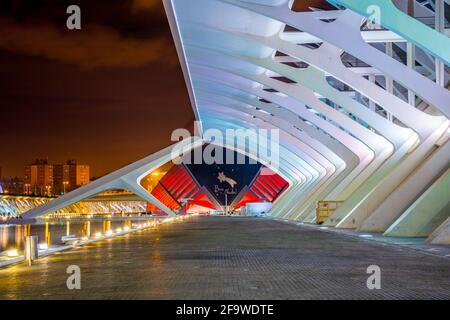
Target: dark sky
{"points": [[106, 95]]}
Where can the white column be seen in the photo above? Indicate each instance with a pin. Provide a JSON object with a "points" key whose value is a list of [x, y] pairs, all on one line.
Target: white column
{"points": [[372, 105], [389, 81], [411, 55], [411, 62], [439, 24]]}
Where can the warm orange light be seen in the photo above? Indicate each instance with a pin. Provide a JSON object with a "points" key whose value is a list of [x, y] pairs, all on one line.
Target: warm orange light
{"points": [[12, 253]]}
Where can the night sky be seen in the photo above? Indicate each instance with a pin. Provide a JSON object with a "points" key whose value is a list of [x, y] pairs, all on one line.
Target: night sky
{"points": [[106, 95]]}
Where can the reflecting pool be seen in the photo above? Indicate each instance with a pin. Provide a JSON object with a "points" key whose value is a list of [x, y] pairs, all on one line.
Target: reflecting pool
{"points": [[50, 232]]}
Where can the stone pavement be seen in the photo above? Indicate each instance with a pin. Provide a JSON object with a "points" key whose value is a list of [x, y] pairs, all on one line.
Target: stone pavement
{"points": [[232, 258]]}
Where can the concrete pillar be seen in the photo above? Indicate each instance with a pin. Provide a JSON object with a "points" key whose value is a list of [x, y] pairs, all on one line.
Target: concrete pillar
{"points": [[439, 25], [371, 102], [31, 249], [411, 56], [389, 81], [441, 235]]}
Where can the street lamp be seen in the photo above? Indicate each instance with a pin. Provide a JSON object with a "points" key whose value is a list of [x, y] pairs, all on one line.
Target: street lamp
{"points": [[27, 188], [48, 188], [64, 186]]}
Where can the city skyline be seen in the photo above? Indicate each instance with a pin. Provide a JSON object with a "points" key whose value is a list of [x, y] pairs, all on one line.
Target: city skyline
{"points": [[44, 178]]}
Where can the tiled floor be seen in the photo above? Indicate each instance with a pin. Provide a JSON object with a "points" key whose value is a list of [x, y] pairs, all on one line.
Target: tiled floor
{"points": [[232, 258]]}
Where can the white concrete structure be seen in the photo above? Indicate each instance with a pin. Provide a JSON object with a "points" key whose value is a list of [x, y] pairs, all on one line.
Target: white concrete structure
{"points": [[127, 178], [359, 150], [372, 132]]}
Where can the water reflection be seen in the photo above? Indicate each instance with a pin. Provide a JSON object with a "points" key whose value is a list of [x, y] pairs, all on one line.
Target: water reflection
{"points": [[12, 236], [47, 235], [87, 229], [106, 226], [19, 233]]}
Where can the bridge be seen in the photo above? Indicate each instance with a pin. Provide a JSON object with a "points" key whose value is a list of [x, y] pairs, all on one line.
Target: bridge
{"points": [[13, 206]]}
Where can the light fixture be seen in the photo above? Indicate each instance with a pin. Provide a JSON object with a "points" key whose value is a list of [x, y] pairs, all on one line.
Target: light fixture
{"points": [[12, 253], [43, 246]]}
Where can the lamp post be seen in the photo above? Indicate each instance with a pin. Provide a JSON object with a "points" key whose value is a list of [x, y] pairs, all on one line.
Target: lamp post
{"points": [[226, 203]]}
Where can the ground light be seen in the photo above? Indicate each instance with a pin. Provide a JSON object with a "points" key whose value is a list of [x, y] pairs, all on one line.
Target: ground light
{"points": [[12, 253], [43, 246]]}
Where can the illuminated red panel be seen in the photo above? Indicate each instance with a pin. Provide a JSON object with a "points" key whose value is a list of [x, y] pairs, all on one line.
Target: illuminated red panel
{"points": [[248, 197], [178, 184], [266, 187], [203, 200], [164, 196]]}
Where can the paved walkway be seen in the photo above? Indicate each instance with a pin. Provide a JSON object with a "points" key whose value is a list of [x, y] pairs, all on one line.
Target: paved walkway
{"points": [[232, 258]]}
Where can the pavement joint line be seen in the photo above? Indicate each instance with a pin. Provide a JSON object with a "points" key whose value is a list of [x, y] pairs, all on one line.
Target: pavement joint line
{"points": [[424, 251], [204, 259]]}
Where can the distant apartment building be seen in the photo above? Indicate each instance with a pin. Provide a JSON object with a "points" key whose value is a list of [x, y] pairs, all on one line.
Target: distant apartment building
{"points": [[13, 186], [38, 178], [70, 176], [44, 179]]}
